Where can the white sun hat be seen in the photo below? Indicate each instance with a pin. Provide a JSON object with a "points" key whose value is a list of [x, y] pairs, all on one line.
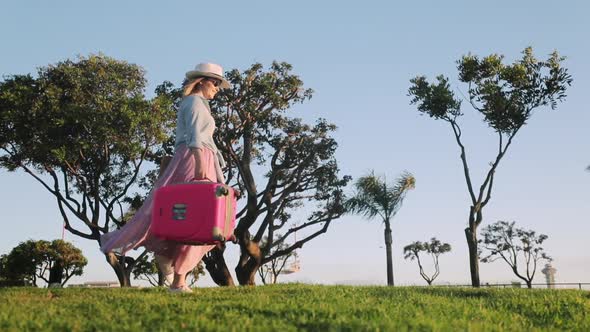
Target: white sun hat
{"points": [[209, 70]]}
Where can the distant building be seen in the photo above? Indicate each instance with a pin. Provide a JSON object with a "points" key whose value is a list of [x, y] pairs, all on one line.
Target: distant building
{"points": [[97, 284]]}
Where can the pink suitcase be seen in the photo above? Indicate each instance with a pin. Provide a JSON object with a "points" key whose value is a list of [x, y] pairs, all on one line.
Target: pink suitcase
{"points": [[194, 213]]}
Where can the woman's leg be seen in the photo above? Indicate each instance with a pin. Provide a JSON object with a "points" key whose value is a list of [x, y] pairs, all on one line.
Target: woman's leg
{"points": [[187, 257], [165, 265]]}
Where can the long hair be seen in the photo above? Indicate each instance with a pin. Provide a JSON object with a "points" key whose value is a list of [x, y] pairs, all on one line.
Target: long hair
{"points": [[190, 86]]}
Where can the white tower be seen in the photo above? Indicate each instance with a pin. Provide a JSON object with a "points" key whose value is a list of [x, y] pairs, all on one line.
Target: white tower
{"points": [[549, 272]]}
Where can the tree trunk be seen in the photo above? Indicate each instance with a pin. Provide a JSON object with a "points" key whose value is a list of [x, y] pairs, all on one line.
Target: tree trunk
{"points": [[161, 278], [388, 241], [250, 259], [56, 274], [529, 284], [473, 256], [123, 274], [215, 264], [246, 273]]}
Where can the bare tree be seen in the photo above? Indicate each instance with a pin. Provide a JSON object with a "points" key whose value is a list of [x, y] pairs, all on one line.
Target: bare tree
{"points": [[502, 240], [434, 248], [270, 271]]}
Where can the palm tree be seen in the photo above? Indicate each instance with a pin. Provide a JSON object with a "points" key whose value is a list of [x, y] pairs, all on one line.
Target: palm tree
{"points": [[374, 197]]}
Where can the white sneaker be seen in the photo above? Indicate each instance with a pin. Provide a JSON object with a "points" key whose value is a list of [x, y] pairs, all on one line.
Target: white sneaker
{"points": [[182, 289]]}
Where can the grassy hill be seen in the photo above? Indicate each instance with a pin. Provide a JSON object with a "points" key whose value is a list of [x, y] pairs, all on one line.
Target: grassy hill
{"points": [[291, 307]]}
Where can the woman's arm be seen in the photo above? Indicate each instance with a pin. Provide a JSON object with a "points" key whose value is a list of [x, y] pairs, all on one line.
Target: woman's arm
{"points": [[200, 173], [195, 122]]}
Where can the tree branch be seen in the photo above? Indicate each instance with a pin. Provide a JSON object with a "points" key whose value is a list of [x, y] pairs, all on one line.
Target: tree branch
{"points": [[456, 131], [109, 208]]}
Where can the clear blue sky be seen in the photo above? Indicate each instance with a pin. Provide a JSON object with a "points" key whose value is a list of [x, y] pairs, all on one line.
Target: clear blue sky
{"points": [[359, 58]]}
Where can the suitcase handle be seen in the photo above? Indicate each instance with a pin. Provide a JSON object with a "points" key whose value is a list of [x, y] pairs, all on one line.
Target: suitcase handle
{"points": [[233, 238], [205, 180], [219, 238]]}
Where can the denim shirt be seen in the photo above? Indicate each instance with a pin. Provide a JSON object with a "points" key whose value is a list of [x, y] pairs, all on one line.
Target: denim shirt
{"points": [[195, 125]]}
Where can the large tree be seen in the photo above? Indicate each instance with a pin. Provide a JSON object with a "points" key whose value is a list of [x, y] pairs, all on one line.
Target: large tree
{"points": [[501, 240], [374, 197], [296, 162], [507, 96], [280, 164], [83, 130], [434, 248]]}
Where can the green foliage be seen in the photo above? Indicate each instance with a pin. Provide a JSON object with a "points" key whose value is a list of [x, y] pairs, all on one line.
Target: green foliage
{"points": [[87, 124], [505, 94], [294, 307], [36, 259], [375, 197], [22, 262], [434, 247], [435, 100], [297, 158]]}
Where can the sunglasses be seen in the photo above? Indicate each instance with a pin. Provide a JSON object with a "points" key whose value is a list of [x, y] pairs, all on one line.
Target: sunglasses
{"points": [[215, 83]]}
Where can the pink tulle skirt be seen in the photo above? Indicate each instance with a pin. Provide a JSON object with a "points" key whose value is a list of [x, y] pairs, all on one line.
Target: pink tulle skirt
{"points": [[136, 232]]}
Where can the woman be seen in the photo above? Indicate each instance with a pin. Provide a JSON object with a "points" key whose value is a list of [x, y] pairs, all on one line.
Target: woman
{"points": [[195, 158]]}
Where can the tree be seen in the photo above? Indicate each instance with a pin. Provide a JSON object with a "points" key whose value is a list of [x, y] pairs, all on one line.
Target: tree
{"points": [[295, 161], [270, 271], [506, 95], [64, 261], [53, 262], [502, 240], [83, 130], [3, 259], [4, 280], [146, 269], [20, 264], [375, 197], [435, 248]]}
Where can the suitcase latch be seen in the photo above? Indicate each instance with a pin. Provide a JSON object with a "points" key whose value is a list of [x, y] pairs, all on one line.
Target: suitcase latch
{"points": [[179, 211]]}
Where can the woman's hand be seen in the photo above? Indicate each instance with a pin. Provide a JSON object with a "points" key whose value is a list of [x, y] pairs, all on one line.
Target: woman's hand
{"points": [[199, 169]]}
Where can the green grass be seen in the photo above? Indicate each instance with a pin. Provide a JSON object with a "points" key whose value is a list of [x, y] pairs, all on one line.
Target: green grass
{"points": [[290, 307]]}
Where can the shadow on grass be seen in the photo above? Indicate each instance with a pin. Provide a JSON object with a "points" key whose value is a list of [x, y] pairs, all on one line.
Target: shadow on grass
{"points": [[460, 292]]}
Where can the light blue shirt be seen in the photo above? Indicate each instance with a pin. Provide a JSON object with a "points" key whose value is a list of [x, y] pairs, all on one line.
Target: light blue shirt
{"points": [[195, 125]]}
